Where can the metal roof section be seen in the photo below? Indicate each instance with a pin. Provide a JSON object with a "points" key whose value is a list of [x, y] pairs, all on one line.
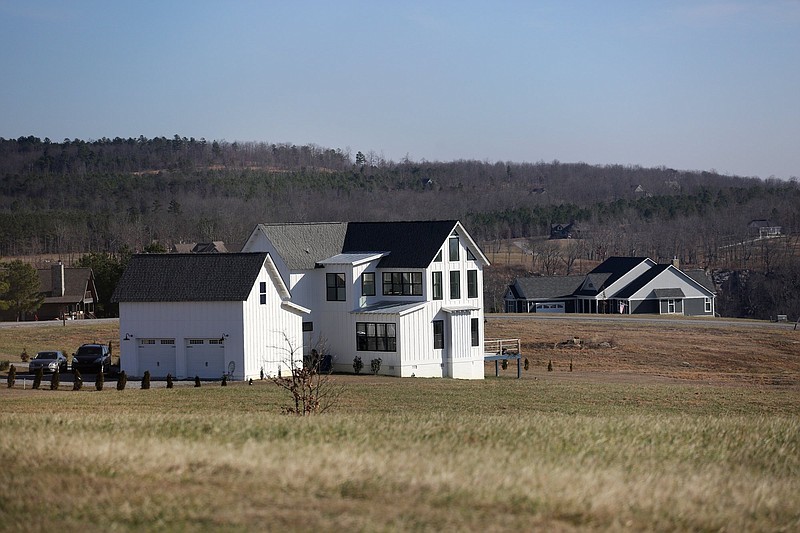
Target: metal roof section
{"points": [[390, 308], [353, 259], [450, 309]]}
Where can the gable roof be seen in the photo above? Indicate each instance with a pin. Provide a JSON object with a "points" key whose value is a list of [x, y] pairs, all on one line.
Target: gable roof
{"points": [[189, 277], [701, 276], [546, 287], [76, 282], [411, 244], [631, 288], [302, 245]]}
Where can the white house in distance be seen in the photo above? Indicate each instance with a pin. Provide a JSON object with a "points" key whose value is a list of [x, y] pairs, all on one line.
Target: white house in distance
{"points": [[206, 315], [409, 293]]}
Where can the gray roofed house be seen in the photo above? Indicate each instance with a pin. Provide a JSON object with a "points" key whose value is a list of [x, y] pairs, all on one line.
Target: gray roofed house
{"points": [[69, 293], [302, 245], [630, 285]]}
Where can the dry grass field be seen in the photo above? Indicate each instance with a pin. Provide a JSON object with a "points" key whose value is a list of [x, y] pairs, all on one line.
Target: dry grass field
{"points": [[669, 427]]}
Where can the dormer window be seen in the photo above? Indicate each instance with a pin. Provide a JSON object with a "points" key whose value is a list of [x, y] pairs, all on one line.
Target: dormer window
{"points": [[335, 287], [368, 284]]}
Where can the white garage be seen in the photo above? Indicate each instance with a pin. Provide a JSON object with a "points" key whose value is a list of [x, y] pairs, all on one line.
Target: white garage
{"points": [[205, 358], [158, 356]]}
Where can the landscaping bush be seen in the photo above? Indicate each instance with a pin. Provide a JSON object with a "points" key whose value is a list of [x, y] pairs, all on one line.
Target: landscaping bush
{"points": [[12, 376], [504, 364], [169, 381], [55, 381], [550, 365], [99, 381], [4, 365], [122, 380], [77, 380], [197, 381], [224, 380], [24, 356], [146, 380], [357, 364], [527, 364], [37, 378], [375, 365]]}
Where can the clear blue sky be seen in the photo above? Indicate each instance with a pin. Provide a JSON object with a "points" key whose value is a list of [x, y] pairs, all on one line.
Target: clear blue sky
{"points": [[694, 85]]}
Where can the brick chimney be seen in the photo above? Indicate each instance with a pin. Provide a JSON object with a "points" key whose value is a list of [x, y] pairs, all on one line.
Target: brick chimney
{"points": [[57, 273]]}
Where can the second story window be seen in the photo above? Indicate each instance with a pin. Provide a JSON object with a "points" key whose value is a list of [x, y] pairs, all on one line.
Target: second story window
{"points": [[368, 284], [402, 283], [472, 283], [262, 292], [455, 284], [453, 248], [335, 285], [438, 292]]}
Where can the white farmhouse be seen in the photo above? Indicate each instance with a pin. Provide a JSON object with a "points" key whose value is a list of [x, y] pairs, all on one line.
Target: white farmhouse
{"points": [[206, 315], [408, 293]]}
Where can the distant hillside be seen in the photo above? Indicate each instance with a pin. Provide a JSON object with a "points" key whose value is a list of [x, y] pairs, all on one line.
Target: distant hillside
{"points": [[80, 196]]}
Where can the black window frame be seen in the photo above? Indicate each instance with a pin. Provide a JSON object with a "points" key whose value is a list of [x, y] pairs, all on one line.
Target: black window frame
{"points": [[472, 283], [262, 292], [402, 283], [475, 332], [308, 326], [438, 334], [437, 285], [376, 337], [334, 290], [365, 284], [453, 249], [455, 284]]}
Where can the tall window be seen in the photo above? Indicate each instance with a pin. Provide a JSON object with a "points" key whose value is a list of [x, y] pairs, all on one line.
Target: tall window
{"points": [[376, 337], [472, 283], [453, 248], [437, 285], [402, 283], [335, 287], [475, 331], [708, 305], [368, 284], [262, 292], [455, 284], [438, 334]]}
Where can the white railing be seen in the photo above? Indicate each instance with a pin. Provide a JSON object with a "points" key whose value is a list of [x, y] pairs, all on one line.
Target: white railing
{"points": [[501, 346]]}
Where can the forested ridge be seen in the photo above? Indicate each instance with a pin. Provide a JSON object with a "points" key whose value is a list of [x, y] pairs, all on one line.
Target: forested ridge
{"points": [[105, 195]]}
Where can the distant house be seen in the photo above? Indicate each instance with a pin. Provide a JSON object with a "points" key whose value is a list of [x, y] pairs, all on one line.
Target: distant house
{"points": [[563, 230], [213, 247], [206, 315], [69, 293], [763, 229], [623, 285]]}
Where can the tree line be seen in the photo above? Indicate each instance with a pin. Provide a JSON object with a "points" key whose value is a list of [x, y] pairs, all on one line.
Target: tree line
{"points": [[111, 195]]}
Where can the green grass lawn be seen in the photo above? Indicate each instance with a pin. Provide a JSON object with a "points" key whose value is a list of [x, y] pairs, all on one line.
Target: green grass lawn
{"points": [[403, 454]]}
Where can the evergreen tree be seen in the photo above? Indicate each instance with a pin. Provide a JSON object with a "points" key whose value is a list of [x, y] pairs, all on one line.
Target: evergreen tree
{"points": [[23, 290]]}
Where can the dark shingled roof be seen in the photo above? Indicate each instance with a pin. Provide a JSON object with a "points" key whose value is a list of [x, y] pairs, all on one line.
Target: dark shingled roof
{"points": [[701, 277], [189, 277], [546, 287], [611, 269], [668, 293], [410, 244], [76, 283], [641, 281]]}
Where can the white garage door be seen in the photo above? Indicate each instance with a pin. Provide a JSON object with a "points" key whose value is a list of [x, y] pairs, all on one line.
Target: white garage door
{"points": [[205, 358], [157, 356]]}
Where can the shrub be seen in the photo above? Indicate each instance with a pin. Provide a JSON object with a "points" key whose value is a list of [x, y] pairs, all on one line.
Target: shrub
{"points": [[99, 381], [527, 364], [4, 365], [77, 380], [55, 381], [262, 373], [197, 381], [504, 364], [550, 365], [169, 381], [224, 380], [357, 364], [122, 380], [375, 366], [146, 380], [570, 365], [37, 378], [12, 376], [24, 356]]}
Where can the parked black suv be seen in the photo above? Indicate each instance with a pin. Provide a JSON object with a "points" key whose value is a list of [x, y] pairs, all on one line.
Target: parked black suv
{"points": [[92, 357]]}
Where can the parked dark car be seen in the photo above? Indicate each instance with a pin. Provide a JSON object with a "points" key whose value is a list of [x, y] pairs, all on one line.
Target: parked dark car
{"points": [[49, 361], [92, 358]]}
